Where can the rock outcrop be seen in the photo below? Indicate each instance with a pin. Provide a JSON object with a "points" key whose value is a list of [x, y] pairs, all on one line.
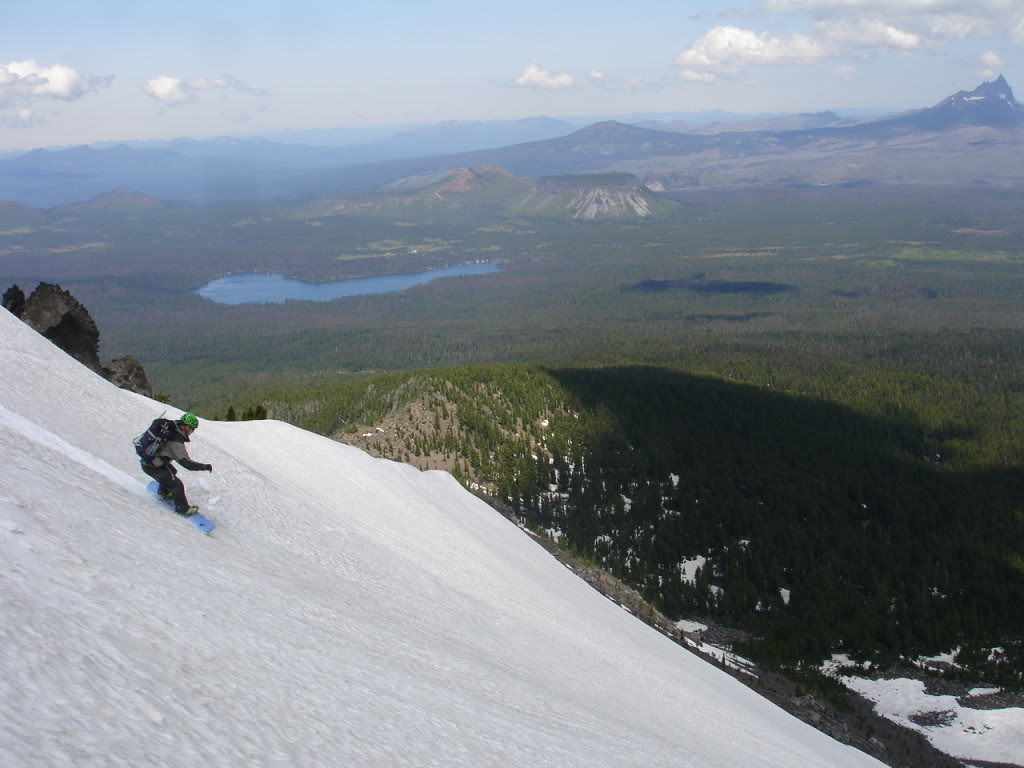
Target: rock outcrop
{"points": [[14, 301], [127, 373], [60, 317]]}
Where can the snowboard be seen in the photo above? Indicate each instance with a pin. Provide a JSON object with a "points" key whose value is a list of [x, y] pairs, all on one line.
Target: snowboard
{"points": [[201, 522]]}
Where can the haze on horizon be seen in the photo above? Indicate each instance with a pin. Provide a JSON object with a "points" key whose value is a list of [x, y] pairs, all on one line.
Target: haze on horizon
{"points": [[76, 73]]}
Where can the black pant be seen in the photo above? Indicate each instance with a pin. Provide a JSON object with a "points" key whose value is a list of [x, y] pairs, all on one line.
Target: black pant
{"points": [[167, 476]]}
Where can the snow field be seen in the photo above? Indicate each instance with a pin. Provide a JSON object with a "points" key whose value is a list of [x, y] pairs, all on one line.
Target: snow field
{"points": [[346, 611]]}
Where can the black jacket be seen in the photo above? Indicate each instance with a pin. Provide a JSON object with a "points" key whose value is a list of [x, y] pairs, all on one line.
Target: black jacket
{"points": [[174, 450]]}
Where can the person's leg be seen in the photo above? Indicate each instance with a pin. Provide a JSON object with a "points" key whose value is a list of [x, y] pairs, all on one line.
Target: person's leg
{"points": [[161, 475], [170, 485]]}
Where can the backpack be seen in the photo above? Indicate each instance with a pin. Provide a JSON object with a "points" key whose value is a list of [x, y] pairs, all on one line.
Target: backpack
{"points": [[150, 441]]}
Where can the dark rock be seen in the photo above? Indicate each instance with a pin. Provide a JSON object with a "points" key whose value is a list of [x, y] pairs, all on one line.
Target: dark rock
{"points": [[127, 373], [938, 718], [14, 301], [61, 318]]}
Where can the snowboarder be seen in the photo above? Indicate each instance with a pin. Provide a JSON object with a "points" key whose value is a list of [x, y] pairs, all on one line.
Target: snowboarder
{"points": [[160, 468]]}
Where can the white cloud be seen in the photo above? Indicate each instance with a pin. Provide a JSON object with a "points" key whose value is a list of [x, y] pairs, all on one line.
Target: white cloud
{"points": [[869, 33], [956, 26], [843, 28], [535, 77], [935, 21], [22, 117], [168, 90], [173, 91], [991, 59], [989, 64], [23, 81], [692, 76], [602, 80], [845, 71], [725, 49], [892, 7]]}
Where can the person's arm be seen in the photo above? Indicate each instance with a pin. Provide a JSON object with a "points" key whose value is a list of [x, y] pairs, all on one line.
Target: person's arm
{"points": [[180, 455]]}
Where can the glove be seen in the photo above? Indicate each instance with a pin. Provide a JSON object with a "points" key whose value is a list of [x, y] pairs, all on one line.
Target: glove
{"points": [[208, 467]]}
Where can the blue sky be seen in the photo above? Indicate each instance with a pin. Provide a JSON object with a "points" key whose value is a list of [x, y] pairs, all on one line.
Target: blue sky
{"points": [[78, 71]]}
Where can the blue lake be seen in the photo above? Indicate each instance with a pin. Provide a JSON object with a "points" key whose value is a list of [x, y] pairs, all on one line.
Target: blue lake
{"points": [[252, 288]]}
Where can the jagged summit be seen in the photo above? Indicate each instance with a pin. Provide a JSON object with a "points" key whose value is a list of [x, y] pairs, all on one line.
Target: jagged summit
{"points": [[995, 91], [994, 94], [991, 103]]}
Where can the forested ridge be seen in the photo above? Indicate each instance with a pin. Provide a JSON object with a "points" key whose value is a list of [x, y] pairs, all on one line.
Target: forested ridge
{"points": [[819, 526]]}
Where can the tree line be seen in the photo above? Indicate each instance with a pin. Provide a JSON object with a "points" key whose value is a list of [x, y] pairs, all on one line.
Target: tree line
{"points": [[818, 526]]}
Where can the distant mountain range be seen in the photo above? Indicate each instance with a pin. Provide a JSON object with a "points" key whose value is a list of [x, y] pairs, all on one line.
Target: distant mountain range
{"points": [[245, 169], [969, 137], [798, 122], [419, 141], [433, 138]]}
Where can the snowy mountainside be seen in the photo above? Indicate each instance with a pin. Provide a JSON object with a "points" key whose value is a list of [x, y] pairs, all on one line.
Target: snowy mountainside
{"points": [[346, 611]]}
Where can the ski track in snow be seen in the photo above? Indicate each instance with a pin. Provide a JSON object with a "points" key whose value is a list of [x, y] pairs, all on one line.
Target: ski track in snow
{"points": [[347, 611], [48, 440]]}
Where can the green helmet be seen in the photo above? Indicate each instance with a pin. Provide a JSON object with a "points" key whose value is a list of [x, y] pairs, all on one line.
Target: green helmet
{"points": [[189, 420]]}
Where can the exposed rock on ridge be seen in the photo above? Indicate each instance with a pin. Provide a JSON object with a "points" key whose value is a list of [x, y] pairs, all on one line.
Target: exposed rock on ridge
{"points": [[991, 103], [127, 373], [625, 201], [56, 314], [61, 318], [14, 301]]}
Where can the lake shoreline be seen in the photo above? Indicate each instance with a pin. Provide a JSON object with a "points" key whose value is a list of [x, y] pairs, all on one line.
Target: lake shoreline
{"points": [[275, 288]]}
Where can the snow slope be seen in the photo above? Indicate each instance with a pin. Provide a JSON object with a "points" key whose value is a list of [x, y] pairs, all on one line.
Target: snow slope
{"points": [[347, 611]]}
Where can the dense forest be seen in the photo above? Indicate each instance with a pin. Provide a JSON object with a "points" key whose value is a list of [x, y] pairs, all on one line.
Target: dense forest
{"points": [[818, 526]]}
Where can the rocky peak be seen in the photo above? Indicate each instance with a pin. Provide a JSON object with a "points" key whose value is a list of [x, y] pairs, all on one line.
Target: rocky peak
{"points": [[991, 103], [997, 89], [60, 317]]}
